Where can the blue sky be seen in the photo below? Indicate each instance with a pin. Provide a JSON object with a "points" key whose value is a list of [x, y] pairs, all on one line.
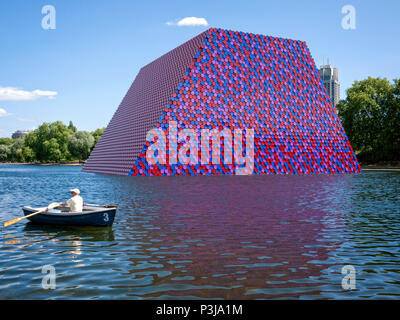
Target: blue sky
{"points": [[84, 67]]}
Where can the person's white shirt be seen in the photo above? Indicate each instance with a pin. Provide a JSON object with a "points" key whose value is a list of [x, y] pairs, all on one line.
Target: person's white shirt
{"points": [[75, 203]]}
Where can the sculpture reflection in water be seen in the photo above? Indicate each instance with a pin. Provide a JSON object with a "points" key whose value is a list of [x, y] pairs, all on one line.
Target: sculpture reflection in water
{"points": [[235, 237]]}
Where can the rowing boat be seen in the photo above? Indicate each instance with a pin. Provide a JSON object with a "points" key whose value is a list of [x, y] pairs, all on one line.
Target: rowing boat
{"points": [[90, 216]]}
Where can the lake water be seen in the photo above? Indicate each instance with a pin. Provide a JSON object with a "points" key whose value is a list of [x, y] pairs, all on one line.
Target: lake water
{"points": [[223, 237]]}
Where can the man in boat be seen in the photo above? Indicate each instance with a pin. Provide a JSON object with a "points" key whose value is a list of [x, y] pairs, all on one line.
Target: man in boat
{"points": [[75, 203]]}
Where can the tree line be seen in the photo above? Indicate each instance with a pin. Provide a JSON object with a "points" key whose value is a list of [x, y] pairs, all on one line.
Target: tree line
{"points": [[370, 116], [50, 142]]}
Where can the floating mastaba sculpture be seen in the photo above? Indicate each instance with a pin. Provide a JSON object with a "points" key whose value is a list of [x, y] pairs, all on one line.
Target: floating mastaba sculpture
{"points": [[228, 81]]}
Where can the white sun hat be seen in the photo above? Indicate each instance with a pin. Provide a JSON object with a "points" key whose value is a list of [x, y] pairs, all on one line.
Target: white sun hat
{"points": [[76, 190]]}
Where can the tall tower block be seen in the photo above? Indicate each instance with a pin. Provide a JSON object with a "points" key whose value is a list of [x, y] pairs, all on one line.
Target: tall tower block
{"points": [[330, 79]]}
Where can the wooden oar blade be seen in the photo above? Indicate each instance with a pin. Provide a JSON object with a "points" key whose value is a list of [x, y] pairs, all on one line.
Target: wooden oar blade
{"points": [[50, 206], [9, 223]]}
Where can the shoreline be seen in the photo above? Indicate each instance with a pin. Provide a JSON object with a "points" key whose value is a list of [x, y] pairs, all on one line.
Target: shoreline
{"points": [[379, 168], [363, 167], [44, 164]]}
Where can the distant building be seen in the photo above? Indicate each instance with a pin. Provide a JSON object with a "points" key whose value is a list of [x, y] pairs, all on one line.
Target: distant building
{"points": [[19, 134], [330, 80]]}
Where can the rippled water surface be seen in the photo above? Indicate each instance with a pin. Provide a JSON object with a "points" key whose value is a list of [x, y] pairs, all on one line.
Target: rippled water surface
{"points": [[229, 237]]}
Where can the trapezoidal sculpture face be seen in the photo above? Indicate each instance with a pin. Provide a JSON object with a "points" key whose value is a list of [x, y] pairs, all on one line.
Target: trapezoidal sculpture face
{"points": [[260, 98]]}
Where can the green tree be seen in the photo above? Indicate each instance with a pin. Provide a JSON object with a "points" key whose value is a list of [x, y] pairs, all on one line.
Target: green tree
{"points": [[391, 131], [60, 133], [16, 153], [96, 135], [80, 144], [4, 150], [6, 141], [71, 127], [47, 138], [28, 154], [52, 150], [370, 116]]}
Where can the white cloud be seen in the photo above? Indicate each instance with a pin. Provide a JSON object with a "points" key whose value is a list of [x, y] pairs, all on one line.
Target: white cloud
{"points": [[4, 113], [189, 22], [16, 94]]}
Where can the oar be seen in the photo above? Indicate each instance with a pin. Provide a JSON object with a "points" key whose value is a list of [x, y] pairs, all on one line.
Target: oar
{"points": [[49, 207], [100, 205]]}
